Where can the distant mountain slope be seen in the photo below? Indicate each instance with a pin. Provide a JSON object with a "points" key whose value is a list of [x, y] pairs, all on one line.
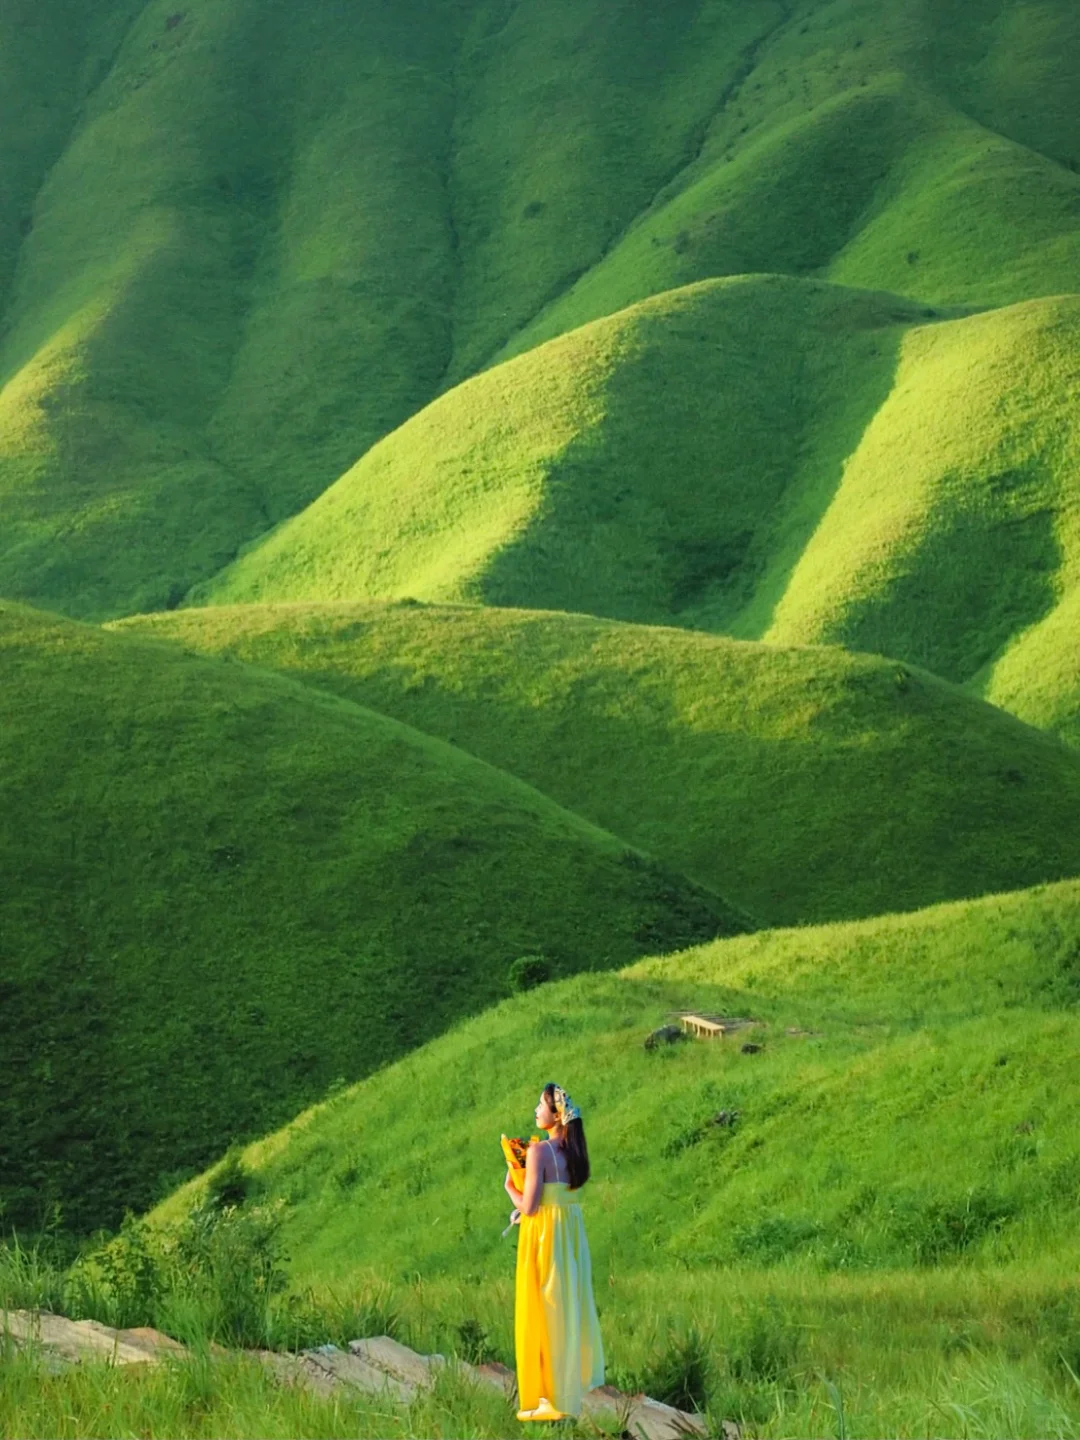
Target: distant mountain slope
{"points": [[805, 784], [957, 523], [768, 457], [912, 1104], [879, 185], [267, 234], [240, 243], [223, 891], [1038, 677], [654, 465]]}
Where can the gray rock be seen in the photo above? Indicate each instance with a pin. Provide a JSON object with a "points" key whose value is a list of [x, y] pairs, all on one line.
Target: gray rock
{"points": [[652, 1420], [77, 1340], [406, 1366]]}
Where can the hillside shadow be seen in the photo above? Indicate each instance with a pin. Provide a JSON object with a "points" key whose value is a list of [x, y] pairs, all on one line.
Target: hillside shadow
{"points": [[721, 445], [828, 442], [981, 576]]}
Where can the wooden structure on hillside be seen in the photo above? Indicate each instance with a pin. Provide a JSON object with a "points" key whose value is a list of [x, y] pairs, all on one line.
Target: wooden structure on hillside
{"points": [[711, 1027]]}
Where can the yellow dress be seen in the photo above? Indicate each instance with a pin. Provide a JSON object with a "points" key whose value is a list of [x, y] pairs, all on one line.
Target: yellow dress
{"points": [[556, 1330]]}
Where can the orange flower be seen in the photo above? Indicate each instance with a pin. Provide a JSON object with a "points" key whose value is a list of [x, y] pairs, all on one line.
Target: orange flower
{"points": [[514, 1150]]}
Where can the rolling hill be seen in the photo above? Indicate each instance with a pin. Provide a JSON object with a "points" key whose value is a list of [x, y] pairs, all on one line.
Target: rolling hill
{"points": [[647, 466], [240, 245], [224, 891], [803, 783], [767, 457], [909, 1105]]}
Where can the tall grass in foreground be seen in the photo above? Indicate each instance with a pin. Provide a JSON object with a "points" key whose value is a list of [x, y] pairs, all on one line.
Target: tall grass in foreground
{"points": [[960, 1352], [966, 1395]]}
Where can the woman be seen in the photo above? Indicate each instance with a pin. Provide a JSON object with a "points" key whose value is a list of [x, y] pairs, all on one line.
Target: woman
{"points": [[557, 1333]]}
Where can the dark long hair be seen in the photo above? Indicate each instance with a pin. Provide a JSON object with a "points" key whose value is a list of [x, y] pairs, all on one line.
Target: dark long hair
{"points": [[574, 1147]]}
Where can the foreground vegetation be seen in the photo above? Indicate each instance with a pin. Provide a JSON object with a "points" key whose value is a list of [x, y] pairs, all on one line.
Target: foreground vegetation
{"points": [[909, 1105], [946, 1354]]}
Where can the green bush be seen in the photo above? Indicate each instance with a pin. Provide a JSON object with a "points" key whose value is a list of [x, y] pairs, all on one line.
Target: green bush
{"points": [[682, 1373], [213, 1276], [528, 971], [229, 1183]]}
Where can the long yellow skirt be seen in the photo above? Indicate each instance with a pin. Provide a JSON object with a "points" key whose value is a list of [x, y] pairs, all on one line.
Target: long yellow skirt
{"points": [[559, 1351]]}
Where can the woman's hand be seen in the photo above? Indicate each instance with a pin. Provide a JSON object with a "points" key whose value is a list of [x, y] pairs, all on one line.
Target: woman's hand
{"points": [[512, 1190]]}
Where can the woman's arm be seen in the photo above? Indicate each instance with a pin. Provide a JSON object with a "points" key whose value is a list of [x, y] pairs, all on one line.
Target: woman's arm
{"points": [[528, 1200]]}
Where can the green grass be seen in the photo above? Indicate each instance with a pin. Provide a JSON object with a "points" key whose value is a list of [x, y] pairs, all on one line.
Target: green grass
{"points": [[886, 1230], [256, 242], [956, 525], [881, 146], [1038, 676], [238, 247], [225, 891], [803, 783], [878, 186], [658, 465], [230, 1396], [922, 1114]]}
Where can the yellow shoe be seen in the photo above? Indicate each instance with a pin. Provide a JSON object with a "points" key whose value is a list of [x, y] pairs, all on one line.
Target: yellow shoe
{"points": [[544, 1411]]}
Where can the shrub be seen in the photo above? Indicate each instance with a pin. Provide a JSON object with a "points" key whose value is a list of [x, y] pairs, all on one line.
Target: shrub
{"points": [[123, 1282], [473, 1343], [681, 1375], [213, 1276], [761, 1346], [528, 971], [232, 1260], [230, 1183]]}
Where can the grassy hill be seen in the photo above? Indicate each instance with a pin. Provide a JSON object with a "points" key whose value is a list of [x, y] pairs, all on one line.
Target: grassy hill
{"points": [[805, 784], [647, 466], [956, 525], [910, 1110], [223, 891], [774, 458], [879, 184], [237, 246], [1038, 677]]}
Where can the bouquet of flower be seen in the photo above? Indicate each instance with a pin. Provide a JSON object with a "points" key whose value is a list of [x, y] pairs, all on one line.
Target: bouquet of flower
{"points": [[514, 1149]]}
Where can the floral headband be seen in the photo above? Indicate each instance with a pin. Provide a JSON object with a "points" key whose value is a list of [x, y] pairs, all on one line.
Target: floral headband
{"points": [[564, 1107]]}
